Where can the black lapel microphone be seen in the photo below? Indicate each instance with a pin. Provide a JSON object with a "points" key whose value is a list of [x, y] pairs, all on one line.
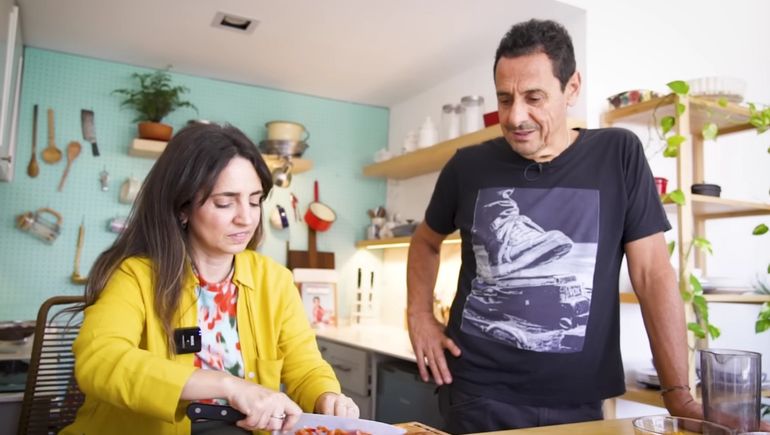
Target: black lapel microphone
{"points": [[534, 170]]}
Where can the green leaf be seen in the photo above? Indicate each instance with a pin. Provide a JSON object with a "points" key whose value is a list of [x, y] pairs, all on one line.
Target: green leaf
{"points": [[759, 230], [680, 109], [677, 197], [761, 326], [676, 140], [714, 332], [671, 151], [699, 303], [667, 123], [686, 296], [696, 286], [768, 268], [696, 329], [702, 244], [722, 102], [671, 246], [679, 87], [710, 131], [768, 150]]}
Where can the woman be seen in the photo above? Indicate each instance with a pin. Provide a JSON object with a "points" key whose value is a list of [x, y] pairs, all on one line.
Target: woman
{"points": [[186, 260]]}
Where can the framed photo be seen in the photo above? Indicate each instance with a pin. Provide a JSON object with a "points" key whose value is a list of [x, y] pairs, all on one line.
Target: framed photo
{"points": [[320, 302]]}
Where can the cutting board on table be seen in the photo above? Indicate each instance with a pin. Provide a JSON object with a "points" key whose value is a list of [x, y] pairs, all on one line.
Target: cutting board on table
{"points": [[310, 259]]}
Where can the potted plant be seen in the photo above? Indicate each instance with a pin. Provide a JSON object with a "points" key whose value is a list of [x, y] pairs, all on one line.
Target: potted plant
{"points": [[154, 98]]}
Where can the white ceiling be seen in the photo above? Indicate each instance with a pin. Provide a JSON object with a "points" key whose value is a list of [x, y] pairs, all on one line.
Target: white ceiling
{"points": [[365, 51]]}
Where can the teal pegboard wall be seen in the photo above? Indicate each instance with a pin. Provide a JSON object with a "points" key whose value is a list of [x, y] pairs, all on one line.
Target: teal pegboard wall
{"points": [[344, 136]]}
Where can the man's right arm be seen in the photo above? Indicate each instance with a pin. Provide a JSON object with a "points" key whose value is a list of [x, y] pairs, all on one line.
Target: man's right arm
{"points": [[425, 331]]}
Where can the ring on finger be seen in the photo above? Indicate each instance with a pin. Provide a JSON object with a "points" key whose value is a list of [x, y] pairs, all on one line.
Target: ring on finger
{"points": [[279, 417]]}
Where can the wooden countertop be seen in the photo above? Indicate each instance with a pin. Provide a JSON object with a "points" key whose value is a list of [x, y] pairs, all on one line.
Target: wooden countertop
{"points": [[600, 427]]}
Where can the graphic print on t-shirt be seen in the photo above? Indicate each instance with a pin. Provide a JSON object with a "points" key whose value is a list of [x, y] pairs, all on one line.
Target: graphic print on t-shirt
{"points": [[535, 253]]}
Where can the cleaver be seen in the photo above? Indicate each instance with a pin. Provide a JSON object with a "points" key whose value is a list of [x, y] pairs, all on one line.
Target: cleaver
{"points": [[89, 132]]}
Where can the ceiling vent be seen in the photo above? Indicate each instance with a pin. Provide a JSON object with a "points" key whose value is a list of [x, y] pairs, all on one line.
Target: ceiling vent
{"points": [[234, 23]]}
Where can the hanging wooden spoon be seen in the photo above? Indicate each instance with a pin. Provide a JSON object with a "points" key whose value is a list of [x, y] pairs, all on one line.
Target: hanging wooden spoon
{"points": [[73, 151], [51, 154], [33, 169]]}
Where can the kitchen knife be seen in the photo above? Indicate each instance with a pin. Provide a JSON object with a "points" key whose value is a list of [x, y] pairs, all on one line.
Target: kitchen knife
{"points": [[203, 411], [226, 413], [89, 133]]}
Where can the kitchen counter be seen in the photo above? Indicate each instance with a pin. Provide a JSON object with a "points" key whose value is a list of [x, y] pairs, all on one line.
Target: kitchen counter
{"points": [[599, 427], [381, 339]]}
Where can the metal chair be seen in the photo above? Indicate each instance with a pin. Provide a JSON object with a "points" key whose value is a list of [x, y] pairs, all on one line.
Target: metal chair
{"points": [[52, 398]]}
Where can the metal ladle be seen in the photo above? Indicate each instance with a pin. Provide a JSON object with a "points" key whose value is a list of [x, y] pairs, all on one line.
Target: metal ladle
{"points": [[282, 174]]}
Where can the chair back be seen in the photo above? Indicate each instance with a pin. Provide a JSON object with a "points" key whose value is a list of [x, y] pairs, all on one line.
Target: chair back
{"points": [[52, 398]]}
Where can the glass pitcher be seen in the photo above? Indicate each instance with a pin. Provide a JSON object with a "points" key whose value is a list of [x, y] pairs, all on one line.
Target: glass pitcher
{"points": [[731, 384]]}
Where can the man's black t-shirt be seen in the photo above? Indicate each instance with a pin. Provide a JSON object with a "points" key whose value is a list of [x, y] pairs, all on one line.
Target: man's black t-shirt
{"points": [[536, 312]]}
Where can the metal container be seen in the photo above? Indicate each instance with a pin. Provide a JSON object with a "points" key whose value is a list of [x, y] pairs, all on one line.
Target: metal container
{"points": [[284, 148]]}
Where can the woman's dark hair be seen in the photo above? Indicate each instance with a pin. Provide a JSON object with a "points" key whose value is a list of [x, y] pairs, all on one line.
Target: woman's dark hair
{"points": [[187, 169], [540, 36]]}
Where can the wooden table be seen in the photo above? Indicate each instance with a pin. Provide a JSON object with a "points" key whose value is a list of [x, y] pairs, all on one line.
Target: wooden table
{"points": [[599, 427]]}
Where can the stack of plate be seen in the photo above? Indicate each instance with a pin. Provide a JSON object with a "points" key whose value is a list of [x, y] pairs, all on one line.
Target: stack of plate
{"points": [[725, 284], [648, 377]]}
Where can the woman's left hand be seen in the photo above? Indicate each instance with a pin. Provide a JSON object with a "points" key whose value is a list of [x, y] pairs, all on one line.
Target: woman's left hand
{"points": [[336, 404]]}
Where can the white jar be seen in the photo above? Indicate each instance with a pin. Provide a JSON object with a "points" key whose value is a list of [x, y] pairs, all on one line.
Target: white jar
{"points": [[473, 118], [428, 134], [450, 121]]}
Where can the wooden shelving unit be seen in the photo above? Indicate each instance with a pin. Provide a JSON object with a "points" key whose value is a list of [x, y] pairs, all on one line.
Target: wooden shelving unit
{"points": [[399, 242], [697, 209], [151, 149], [711, 207], [733, 298], [433, 158]]}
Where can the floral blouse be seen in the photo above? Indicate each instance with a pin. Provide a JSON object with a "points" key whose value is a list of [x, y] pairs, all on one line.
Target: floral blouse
{"points": [[220, 345]]}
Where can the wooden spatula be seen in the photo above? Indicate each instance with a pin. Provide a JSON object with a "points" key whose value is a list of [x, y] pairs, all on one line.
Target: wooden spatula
{"points": [[73, 151], [51, 154]]}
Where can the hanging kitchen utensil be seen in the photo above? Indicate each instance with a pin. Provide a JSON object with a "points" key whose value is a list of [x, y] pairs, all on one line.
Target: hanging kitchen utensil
{"points": [[76, 277], [104, 180], [51, 154], [33, 169], [294, 202], [36, 224], [73, 151], [278, 218], [89, 131], [282, 174], [319, 216]]}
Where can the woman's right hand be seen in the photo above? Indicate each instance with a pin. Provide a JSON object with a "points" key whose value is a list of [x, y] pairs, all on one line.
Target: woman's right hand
{"points": [[265, 409]]}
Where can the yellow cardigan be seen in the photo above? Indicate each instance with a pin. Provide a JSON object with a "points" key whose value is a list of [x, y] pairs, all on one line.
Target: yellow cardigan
{"points": [[133, 387]]}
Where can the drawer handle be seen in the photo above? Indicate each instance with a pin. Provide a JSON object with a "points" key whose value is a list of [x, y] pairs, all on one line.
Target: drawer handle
{"points": [[322, 349], [342, 368]]}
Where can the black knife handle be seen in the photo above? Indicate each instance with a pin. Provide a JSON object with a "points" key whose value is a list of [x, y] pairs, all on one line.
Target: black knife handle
{"points": [[204, 411], [94, 149]]}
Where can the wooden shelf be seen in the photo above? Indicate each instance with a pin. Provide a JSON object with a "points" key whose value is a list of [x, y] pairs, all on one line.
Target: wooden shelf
{"points": [[712, 207], [433, 158], [399, 242], [151, 149], [729, 119], [733, 298]]}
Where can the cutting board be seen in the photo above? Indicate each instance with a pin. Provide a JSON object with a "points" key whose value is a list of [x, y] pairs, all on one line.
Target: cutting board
{"points": [[311, 259]]}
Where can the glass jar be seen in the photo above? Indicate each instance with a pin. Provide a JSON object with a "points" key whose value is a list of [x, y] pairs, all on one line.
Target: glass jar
{"points": [[450, 122], [473, 118]]}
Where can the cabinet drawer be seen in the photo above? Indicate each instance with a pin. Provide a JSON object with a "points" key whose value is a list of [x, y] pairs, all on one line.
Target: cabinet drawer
{"points": [[351, 366]]}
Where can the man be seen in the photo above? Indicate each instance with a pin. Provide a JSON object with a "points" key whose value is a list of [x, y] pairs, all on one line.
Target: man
{"points": [[545, 214]]}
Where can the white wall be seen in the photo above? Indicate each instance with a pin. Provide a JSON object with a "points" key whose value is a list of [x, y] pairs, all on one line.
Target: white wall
{"points": [[645, 44]]}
